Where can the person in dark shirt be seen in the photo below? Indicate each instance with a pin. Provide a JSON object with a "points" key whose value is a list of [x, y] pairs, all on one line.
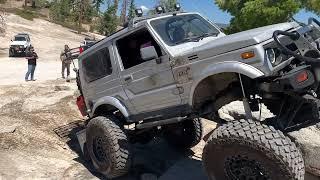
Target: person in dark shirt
{"points": [[32, 63]]}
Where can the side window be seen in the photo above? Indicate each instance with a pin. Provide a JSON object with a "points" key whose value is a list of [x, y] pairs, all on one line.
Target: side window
{"points": [[129, 47], [97, 65]]}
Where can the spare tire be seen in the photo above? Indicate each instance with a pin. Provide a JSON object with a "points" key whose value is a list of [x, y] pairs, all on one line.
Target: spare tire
{"points": [[108, 146], [246, 149]]}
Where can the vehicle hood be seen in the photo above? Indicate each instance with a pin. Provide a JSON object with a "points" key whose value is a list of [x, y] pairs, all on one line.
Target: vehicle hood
{"points": [[241, 39], [19, 43]]}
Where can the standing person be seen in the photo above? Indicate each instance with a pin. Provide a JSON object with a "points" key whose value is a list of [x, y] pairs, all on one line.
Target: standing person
{"points": [[32, 63], [66, 61]]}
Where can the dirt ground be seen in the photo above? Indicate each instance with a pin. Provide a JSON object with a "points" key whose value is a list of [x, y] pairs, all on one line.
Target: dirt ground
{"points": [[37, 138], [38, 120]]}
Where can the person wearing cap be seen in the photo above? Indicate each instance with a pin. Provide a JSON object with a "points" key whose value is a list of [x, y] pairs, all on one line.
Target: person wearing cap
{"points": [[32, 63]]}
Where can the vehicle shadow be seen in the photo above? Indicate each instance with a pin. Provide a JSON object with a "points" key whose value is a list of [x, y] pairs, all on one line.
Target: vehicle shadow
{"points": [[156, 158], [68, 134]]}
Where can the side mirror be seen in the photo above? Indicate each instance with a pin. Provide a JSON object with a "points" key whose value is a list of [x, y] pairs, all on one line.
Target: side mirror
{"points": [[11, 40], [149, 53]]}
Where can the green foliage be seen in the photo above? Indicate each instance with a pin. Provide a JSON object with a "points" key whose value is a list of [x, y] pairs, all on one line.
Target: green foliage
{"points": [[132, 7], [26, 14], [97, 4], [248, 14], [168, 4], [60, 10], [42, 3], [73, 26], [312, 5], [3, 1], [109, 21]]}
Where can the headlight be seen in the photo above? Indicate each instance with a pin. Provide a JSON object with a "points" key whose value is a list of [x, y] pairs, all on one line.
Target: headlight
{"points": [[271, 55], [21, 47]]}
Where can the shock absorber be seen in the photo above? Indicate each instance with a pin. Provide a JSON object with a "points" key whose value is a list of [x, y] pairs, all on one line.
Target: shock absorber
{"points": [[245, 101]]}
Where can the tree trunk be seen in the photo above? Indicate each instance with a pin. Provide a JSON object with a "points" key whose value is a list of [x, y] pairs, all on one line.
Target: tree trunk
{"points": [[123, 16], [25, 3], [80, 16], [33, 3]]}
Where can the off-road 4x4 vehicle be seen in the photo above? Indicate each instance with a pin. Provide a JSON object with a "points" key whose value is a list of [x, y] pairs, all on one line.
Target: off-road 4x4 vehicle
{"points": [[162, 73], [19, 45]]}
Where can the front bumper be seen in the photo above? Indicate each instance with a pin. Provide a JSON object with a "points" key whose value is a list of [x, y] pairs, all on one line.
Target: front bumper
{"points": [[296, 80], [17, 49]]}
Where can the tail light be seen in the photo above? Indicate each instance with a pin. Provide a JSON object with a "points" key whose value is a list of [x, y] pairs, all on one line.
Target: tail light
{"points": [[81, 50], [81, 105], [301, 77]]}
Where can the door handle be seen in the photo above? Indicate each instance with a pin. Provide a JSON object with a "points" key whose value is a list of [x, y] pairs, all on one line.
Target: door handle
{"points": [[128, 78]]}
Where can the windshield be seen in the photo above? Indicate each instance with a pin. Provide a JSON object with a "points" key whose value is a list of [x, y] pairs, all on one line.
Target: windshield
{"points": [[19, 38], [175, 30]]}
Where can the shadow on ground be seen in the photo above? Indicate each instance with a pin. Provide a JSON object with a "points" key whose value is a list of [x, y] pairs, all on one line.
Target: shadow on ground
{"points": [[155, 160]]}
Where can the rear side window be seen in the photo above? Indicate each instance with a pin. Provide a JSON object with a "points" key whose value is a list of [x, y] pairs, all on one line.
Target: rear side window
{"points": [[97, 65]]}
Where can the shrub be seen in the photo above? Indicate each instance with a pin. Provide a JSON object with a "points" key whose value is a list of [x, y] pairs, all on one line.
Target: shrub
{"points": [[26, 14]]}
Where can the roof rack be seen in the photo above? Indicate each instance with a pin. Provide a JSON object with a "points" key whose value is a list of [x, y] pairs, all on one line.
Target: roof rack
{"points": [[135, 20]]}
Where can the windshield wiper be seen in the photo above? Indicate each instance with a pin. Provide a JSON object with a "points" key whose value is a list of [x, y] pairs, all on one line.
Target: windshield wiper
{"points": [[196, 38], [207, 35], [188, 39]]}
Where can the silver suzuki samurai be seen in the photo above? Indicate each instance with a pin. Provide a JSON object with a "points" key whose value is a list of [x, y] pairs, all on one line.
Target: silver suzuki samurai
{"points": [[162, 73]]}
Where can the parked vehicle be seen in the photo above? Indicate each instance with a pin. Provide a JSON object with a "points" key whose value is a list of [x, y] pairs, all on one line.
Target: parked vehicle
{"points": [[87, 43], [19, 45], [164, 72]]}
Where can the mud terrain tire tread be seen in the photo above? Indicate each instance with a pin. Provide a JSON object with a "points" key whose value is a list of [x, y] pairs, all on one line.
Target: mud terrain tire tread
{"points": [[186, 141], [118, 148], [258, 137], [11, 54]]}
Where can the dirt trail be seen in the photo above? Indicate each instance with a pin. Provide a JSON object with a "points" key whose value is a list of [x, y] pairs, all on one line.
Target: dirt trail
{"points": [[47, 38]]}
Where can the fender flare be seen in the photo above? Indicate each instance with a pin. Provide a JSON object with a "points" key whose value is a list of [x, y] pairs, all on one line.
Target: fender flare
{"points": [[217, 68], [108, 100]]}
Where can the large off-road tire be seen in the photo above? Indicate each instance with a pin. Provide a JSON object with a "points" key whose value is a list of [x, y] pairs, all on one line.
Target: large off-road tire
{"points": [[250, 150], [184, 135], [108, 146], [11, 54]]}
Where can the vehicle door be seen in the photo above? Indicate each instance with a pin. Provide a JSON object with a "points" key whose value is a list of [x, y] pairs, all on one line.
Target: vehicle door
{"points": [[149, 84], [100, 76]]}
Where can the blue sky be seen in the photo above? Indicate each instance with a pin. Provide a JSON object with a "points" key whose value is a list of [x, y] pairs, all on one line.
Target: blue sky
{"points": [[210, 10]]}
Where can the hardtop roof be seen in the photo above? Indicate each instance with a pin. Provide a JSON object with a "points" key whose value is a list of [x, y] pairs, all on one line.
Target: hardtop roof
{"points": [[140, 21]]}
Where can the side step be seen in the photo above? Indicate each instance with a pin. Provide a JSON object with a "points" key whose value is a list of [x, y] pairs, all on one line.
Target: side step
{"points": [[161, 122]]}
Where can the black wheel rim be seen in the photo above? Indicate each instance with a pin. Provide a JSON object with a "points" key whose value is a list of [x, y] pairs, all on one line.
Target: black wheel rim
{"points": [[99, 149], [243, 168]]}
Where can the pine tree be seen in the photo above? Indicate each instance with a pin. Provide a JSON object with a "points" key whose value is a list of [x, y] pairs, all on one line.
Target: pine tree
{"points": [[123, 15], [97, 4], [109, 21], [132, 8], [312, 5], [168, 4]]}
